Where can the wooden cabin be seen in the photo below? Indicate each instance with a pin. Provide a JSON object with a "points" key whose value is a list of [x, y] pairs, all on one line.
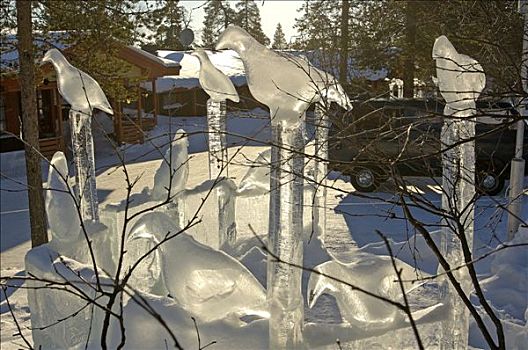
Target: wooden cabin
{"points": [[49, 109], [133, 118], [130, 120]]}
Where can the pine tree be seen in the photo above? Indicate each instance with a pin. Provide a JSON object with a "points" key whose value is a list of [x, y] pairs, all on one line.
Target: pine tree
{"points": [[279, 39], [218, 15], [248, 17], [30, 130], [168, 22], [490, 32], [318, 26], [319, 30]]}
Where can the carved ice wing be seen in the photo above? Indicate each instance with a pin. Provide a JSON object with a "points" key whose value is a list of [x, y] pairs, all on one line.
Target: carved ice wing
{"points": [[209, 284]]}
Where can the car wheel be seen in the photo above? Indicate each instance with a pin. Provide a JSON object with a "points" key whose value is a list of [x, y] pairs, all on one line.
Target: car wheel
{"points": [[490, 183], [364, 179]]}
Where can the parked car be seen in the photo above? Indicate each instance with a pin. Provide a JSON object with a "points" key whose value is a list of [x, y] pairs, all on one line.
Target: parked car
{"points": [[381, 138]]}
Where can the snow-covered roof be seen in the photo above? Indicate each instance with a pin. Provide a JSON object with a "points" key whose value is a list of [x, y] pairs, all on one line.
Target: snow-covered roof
{"points": [[9, 57], [231, 65], [161, 60], [227, 61]]}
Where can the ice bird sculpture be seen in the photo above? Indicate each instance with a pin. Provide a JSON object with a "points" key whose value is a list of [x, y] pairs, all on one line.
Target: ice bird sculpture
{"points": [[281, 80], [174, 169], [79, 89], [372, 273], [215, 83], [457, 88], [207, 282]]}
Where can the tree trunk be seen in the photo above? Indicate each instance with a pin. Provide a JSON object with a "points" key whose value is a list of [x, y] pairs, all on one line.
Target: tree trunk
{"points": [[30, 129], [410, 40], [343, 59]]}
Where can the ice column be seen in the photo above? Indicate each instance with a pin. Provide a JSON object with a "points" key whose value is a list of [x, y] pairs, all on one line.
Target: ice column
{"points": [[83, 154], [285, 237], [216, 122], [458, 196], [460, 80], [322, 126]]}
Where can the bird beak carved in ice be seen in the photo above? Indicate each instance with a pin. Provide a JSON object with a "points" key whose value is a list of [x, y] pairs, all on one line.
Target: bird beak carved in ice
{"points": [[221, 45], [225, 39], [46, 58], [316, 287]]}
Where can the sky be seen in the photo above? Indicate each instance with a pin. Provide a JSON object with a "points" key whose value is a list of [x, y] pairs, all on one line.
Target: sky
{"points": [[271, 13]]}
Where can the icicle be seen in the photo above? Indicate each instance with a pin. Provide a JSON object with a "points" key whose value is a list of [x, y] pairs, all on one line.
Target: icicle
{"points": [[83, 153], [285, 238]]}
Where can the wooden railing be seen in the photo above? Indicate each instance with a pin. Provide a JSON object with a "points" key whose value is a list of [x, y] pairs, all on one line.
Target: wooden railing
{"points": [[49, 146], [133, 132]]}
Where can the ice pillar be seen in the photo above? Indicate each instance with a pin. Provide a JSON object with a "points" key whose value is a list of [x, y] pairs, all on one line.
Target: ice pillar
{"points": [[322, 126], [83, 154], [216, 123], [458, 197], [460, 80], [285, 237]]}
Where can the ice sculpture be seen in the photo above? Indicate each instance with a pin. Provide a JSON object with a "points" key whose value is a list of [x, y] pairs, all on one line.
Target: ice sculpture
{"points": [[322, 127], [213, 230], [68, 238], [372, 273], [287, 85], [49, 305], [219, 88], [280, 80], [460, 80], [215, 83], [63, 217], [146, 276], [256, 181], [171, 176], [206, 282], [83, 94]]}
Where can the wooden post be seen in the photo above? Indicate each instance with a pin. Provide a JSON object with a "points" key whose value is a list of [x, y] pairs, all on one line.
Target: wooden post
{"points": [[118, 115], [58, 111], [195, 99], [156, 101], [139, 108], [139, 113]]}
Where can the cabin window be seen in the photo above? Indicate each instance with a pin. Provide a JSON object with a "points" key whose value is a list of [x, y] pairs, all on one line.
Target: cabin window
{"points": [[45, 113]]}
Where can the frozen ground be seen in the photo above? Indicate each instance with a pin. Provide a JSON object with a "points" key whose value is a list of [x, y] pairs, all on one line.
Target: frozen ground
{"points": [[352, 221]]}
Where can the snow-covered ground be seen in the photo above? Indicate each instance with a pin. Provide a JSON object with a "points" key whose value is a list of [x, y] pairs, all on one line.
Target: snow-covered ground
{"points": [[352, 221]]}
